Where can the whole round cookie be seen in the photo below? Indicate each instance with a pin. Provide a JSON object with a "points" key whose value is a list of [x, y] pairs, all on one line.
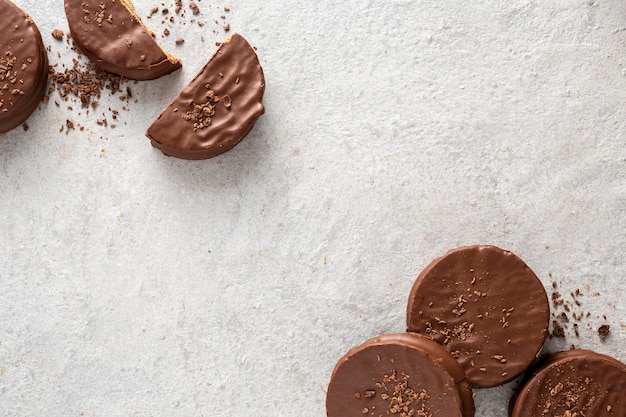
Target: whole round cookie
{"points": [[575, 383], [487, 307], [110, 33], [406, 375], [23, 66]]}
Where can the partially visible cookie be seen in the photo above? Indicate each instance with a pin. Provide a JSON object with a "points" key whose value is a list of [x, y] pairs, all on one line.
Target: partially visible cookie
{"points": [[575, 383], [404, 375], [23, 66], [217, 109], [110, 33]]}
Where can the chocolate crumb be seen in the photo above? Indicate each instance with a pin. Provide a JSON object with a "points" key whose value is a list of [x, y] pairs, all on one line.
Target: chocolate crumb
{"points": [[152, 11], [369, 394], [227, 101], [57, 34], [557, 329], [179, 41], [166, 32], [603, 331], [194, 7]]}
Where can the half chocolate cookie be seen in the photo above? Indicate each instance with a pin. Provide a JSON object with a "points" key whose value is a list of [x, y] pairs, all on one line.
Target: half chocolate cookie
{"points": [[110, 33], [23, 66], [575, 383], [217, 109], [405, 375], [487, 307]]}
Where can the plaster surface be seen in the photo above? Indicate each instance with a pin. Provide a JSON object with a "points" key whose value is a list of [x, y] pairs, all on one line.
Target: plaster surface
{"points": [[132, 284]]}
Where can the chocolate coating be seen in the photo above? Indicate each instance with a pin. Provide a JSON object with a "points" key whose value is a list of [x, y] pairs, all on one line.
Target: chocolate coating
{"points": [[111, 34], [368, 380], [487, 307], [234, 80], [573, 383], [23, 66]]}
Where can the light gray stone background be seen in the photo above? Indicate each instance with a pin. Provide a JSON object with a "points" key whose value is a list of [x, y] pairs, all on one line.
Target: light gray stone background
{"points": [[133, 284]]}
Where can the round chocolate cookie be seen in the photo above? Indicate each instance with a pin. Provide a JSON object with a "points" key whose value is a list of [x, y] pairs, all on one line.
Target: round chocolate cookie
{"points": [[23, 66], [576, 383], [487, 307], [217, 109], [405, 375], [110, 33]]}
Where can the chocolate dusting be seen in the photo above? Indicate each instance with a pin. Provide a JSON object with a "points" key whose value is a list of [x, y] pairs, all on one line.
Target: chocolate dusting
{"points": [[566, 396], [404, 401], [201, 114]]}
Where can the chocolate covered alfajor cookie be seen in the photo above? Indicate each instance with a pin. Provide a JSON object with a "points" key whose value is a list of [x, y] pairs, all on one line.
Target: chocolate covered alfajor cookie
{"points": [[217, 109], [487, 307], [405, 375], [576, 383], [110, 33], [23, 66]]}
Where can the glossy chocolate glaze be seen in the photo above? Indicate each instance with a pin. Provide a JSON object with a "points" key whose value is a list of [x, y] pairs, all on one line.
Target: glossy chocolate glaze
{"points": [[23, 66], [487, 307], [110, 34], [575, 383], [235, 76], [369, 378]]}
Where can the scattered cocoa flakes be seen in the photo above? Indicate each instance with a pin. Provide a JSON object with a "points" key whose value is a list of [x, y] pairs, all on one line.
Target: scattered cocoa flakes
{"points": [[152, 11], [179, 41], [227, 9], [179, 5], [25, 127], [69, 124], [57, 34], [201, 114], [227, 28], [166, 32], [603, 331], [165, 11], [85, 82]]}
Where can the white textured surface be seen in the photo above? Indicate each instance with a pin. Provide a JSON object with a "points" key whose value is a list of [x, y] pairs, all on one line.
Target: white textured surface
{"points": [[138, 285]]}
